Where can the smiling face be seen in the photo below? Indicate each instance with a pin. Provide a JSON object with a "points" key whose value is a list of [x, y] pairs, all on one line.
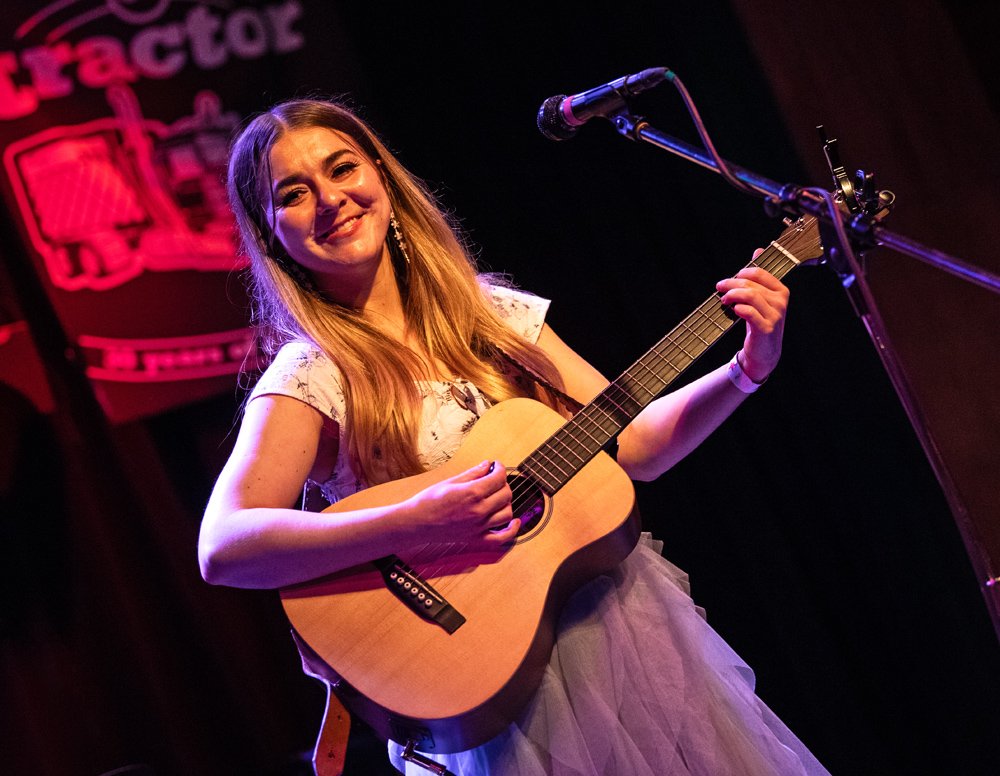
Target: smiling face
{"points": [[331, 210]]}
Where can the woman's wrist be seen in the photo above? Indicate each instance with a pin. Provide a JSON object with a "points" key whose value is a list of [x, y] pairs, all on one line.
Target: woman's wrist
{"points": [[737, 375]]}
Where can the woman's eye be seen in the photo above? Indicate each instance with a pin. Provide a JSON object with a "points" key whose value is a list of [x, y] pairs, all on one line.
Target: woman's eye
{"points": [[290, 197], [344, 168]]}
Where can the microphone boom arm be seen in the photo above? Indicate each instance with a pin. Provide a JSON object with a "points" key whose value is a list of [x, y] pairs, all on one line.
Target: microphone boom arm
{"points": [[796, 200]]}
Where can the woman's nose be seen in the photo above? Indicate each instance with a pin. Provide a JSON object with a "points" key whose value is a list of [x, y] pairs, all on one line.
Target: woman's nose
{"points": [[331, 196]]}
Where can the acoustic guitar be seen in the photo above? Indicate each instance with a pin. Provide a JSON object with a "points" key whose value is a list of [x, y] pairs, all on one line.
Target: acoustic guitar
{"points": [[444, 647]]}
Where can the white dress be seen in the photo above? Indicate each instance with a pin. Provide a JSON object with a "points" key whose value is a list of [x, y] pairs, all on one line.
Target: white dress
{"points": [[638, 684]]}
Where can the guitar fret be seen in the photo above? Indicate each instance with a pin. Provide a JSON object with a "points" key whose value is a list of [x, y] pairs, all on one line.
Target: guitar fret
{"points": [[547, 471], [586, 431], [655, 374], [653, 384], [685, 325], [606, 396], [666, 360], [594, 408], [696, 323], [683, 350], [552, 468], [536, 469], [642, 363], [549, 486], [624, 388], [627, 381], [704, 314], [557, 450], [575, 448], [674, 367]]}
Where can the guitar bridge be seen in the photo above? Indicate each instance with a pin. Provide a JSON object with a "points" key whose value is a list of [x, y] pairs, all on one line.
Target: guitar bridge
{"points": [[418, 594]]}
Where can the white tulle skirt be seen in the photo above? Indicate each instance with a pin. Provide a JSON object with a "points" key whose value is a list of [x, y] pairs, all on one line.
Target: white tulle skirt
{"points": [[639, 685]]}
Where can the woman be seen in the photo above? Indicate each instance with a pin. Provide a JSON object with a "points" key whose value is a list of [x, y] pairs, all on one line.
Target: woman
{"points": [[390, 348]]}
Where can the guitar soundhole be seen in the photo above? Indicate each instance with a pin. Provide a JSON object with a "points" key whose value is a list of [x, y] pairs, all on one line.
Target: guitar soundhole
{"points": [[528, 503]]}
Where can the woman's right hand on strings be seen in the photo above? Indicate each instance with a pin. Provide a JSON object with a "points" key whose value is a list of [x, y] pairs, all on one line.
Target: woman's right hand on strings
{"points": [[473, 507], [253, 537]]}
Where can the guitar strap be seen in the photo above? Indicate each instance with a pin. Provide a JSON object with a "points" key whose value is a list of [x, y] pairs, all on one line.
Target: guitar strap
{"points": [[331, 746]]}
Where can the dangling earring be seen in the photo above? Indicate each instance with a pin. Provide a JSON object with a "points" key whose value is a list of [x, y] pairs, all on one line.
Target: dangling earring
{"points": [[397, 232]]}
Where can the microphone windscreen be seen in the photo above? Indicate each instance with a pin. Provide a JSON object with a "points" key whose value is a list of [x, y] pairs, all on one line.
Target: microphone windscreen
{"points": [[551, 122]]}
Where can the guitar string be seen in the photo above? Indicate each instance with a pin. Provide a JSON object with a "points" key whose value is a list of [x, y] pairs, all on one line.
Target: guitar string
{"points": [[775, 258], [772, 259], [619, 393], [524, 490], [623, 391], [699, 325]]}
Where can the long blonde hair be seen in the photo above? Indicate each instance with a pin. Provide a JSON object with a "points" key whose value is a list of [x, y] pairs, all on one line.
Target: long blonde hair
{"points": [[442, 296]]}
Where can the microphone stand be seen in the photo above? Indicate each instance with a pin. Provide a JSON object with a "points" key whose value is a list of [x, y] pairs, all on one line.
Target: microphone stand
{"points": [[845, 237]]}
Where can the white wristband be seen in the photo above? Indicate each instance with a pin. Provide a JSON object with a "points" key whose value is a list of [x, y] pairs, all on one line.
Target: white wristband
{"points": [[741, 379]]}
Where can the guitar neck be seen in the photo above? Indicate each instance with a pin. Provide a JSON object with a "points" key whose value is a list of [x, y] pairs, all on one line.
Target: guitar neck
{"points": [[556, 461]]}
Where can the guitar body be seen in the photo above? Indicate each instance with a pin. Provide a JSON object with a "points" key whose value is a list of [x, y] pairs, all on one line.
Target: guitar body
{"points": [[452, 683], [411, 679]]}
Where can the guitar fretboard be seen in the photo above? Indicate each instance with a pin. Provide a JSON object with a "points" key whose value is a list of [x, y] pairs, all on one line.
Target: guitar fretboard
{"points": [[557, 460]]}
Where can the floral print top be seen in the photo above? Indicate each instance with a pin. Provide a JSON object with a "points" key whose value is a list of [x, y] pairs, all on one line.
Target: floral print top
{"points": [[450, 408]]}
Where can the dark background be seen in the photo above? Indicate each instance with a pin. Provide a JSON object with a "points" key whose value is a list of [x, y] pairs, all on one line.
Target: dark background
{"points": [[816, 534]]}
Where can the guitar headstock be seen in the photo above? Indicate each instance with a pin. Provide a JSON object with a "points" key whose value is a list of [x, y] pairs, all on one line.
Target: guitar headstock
{"points": [[801, 241]]}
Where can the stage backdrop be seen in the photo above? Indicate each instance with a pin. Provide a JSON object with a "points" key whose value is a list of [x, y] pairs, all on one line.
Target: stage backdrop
{"points": [[123, 300], [115, 120]]}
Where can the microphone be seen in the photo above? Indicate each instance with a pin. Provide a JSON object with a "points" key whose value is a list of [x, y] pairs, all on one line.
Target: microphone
{"points": [[560, 116]]}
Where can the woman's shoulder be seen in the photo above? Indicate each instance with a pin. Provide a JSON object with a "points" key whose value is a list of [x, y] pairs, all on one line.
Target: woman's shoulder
{"points": [[522, 311], [304, 372], [297, 359]]}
